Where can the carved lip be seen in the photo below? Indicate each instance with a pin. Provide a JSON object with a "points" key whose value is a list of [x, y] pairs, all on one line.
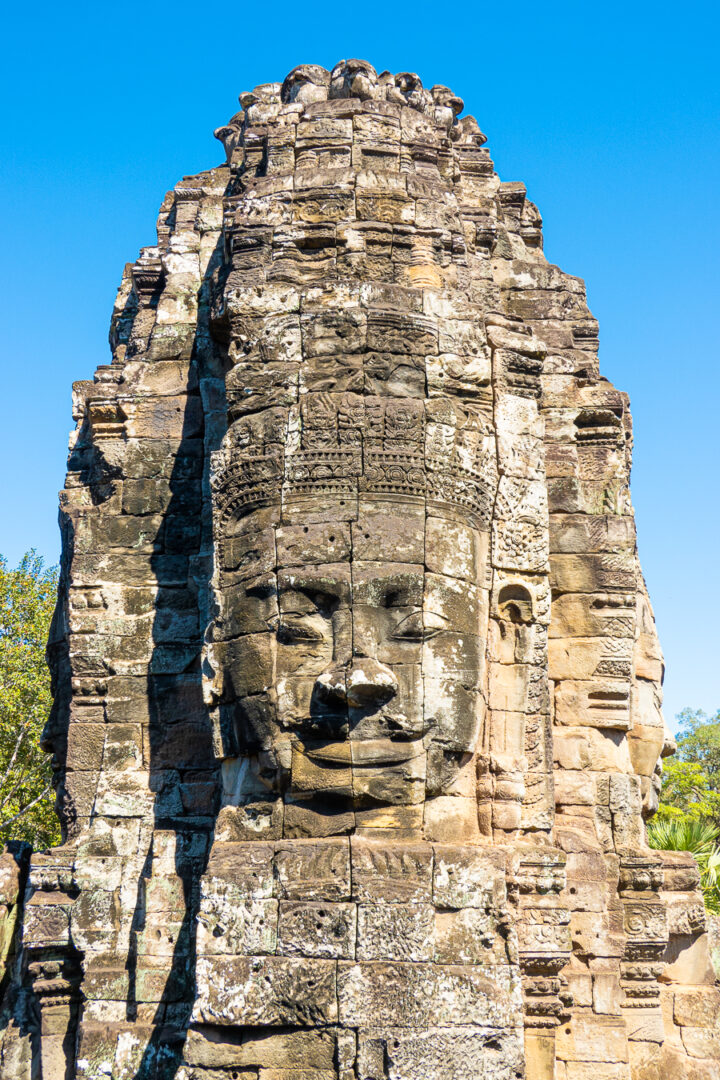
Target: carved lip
{"points": [[365, 753], [57, 767]]}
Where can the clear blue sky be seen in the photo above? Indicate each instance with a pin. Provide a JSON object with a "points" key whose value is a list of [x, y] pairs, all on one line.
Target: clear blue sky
{"points": [[609, 113]]}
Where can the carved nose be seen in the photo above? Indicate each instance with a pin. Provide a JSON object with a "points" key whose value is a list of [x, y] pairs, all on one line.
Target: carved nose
{"points": [[363, 683], [330, 686], [360, 85], [369, 683]]}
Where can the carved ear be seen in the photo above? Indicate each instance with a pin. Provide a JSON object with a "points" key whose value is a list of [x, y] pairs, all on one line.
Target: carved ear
{"points": [[213, 682], [515, 603]]}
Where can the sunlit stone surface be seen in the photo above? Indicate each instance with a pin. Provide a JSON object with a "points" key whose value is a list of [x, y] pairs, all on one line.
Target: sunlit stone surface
{"points": [[358, 685]]}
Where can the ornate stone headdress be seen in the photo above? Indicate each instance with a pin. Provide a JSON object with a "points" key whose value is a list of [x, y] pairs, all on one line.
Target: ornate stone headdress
{"points": [[340, 445]]}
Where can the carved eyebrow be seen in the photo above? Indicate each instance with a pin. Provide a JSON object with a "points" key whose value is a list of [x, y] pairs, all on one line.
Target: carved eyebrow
{"points": [[401, 591], [396, 595], [262, 588], [326, 596], [326, 602], [308, 584]]}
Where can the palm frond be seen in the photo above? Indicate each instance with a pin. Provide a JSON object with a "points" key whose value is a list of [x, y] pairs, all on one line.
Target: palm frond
{"points": [[684, 834]]}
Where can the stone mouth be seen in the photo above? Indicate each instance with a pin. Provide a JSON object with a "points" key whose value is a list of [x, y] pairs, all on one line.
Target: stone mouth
{"points": [[57, 768], [364, 753]]}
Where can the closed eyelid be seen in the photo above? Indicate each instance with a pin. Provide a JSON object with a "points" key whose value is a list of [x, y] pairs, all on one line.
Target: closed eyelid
{"points": [[293, 626], [402, 596], [325, 602], [317, 592], [420, 625]]}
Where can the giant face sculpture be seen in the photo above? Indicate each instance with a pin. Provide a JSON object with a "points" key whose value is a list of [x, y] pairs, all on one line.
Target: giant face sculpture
{"points": [[650, 739], [347, 652], [354, 492]]}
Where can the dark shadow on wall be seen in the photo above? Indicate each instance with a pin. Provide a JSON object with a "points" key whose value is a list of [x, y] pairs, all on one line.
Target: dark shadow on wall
{"points": [[184, 773]]}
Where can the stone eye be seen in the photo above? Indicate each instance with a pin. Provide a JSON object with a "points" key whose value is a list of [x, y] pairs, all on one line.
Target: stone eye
{"points": [[419, 626], [290, 629], [393, 599], [326, 603]]}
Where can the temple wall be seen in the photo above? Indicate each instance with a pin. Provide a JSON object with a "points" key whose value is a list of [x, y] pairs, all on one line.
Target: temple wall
{"points": [[396, 834]]}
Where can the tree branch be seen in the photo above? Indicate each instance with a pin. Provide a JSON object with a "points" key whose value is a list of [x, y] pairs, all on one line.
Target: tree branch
{"points": [[25, 778], [29, 806], [15, 752]]}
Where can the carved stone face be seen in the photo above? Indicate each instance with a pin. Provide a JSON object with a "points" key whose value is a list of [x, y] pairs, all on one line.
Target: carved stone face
{"points": [[54, 741], [364, 651], [650, 739], [306, 84], [351, 629], [353, 78], [354, 490]]}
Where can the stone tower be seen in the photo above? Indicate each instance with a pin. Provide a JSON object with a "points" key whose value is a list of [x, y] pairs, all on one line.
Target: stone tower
{"points": [[357, 714]]}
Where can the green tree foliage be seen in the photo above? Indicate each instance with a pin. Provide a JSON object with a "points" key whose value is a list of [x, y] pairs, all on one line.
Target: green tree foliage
{"points": [[700, 838], [699, 741], [691, 779], [27, 599], [688, 818]]}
